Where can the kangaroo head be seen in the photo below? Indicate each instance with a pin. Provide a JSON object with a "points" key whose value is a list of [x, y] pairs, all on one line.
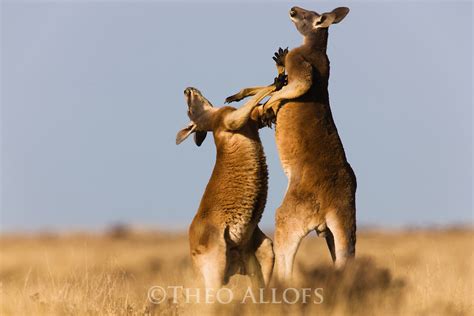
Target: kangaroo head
{"points": [[309, 22], [200, 113]]}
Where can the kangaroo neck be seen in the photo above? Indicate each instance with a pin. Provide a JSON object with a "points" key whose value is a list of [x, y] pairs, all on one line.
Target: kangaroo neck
{"points": [[317, 40]]}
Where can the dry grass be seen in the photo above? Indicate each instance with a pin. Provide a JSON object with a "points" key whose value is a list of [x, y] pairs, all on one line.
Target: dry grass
{"points": [[407, 272]]}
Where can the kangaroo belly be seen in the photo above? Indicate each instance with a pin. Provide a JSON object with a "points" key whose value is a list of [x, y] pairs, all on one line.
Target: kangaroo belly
{"points": [[237, 192], [308, 144], [294, 136]]}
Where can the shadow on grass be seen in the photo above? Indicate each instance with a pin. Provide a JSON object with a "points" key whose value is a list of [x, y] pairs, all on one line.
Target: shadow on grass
{"points": [[361, 282]]}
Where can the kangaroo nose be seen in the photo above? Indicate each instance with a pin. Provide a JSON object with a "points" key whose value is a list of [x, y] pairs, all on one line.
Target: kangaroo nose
{"points": [[292, 12], [187, 91]]}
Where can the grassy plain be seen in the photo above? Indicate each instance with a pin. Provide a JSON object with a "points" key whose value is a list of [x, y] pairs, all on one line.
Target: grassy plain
{"points": [[404, 272]]}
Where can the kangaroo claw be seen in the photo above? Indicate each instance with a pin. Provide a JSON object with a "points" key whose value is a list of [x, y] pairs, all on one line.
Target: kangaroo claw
{"points": [[233, 98], [280, 81], [280, 55], [268, 118]]}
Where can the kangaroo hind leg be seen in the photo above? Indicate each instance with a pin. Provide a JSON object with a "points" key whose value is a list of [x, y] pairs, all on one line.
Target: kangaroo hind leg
{"points": [[344, 238]]}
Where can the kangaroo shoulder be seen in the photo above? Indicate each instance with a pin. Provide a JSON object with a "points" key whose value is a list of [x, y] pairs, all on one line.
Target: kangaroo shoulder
{"points": [[298, 67], [295, 55]]}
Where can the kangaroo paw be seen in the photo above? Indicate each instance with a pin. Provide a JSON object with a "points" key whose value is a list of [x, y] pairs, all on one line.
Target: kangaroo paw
{"points": [[268, 118], [280, 55], [280, 81], [233, 98]]}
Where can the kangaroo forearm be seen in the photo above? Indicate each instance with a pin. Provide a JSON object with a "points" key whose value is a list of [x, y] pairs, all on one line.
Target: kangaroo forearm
{"points": [[238, 118], [291, 91], [247, 92], [280, 69]]}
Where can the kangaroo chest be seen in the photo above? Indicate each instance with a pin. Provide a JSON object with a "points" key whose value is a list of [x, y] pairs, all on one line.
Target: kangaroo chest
{"points": [[240, 184]]}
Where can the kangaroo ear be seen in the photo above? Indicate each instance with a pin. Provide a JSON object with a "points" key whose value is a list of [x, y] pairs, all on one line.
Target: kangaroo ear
{"points": [[327, 19], [199, 137], [339, 14], [185, 132]]}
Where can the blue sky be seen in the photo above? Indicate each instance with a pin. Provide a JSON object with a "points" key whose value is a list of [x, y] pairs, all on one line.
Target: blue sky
{"points": [[92, 98]]}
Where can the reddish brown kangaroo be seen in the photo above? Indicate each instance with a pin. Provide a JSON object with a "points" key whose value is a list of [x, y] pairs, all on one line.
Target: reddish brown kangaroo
{"points": [[321, 183], [224, 236]]}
